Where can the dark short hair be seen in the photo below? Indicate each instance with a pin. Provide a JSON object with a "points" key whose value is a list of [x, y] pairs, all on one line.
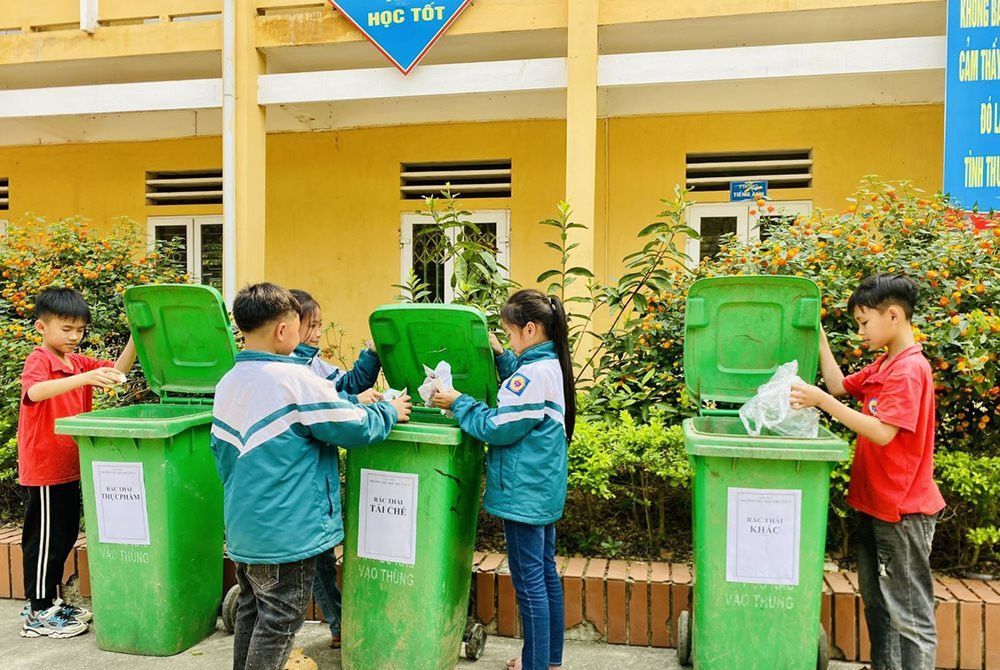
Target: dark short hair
{"points": [[307, 303], [881, 290], [65, 303], [259, 304]]}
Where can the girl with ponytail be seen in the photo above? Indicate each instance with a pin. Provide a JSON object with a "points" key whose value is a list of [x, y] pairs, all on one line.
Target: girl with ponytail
{"points": [[528, 434]]}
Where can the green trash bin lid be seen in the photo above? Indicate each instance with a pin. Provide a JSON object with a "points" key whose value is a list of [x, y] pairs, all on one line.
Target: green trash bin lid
{"points": [[182, 336], [738, 330], [408, 337]]}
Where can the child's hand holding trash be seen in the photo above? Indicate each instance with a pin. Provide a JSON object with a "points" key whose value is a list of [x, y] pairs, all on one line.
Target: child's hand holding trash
{"points": [[369, 397], [443, 399], [403, 406], [807, 395], [105, 377]]}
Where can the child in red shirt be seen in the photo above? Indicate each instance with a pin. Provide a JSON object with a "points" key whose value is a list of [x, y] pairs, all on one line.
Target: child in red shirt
{"points": [[56, 383], [892, 484]]}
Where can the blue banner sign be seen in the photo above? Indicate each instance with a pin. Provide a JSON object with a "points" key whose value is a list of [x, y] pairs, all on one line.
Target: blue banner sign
{"points": [[747, 190], [403, 30], [972, 104]]}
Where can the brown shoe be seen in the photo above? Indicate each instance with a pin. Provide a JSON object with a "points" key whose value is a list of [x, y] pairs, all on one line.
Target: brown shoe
{"points": [[334, 642], [298, 660]]}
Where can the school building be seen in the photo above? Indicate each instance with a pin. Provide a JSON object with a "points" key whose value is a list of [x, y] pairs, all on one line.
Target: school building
{"points": [[157, 110]]}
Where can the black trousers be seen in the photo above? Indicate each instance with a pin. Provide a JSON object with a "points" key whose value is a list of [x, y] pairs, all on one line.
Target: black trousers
{"points": [[51, 526]]}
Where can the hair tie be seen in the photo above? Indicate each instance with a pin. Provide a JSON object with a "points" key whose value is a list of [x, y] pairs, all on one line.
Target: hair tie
{"points": [[552, 302]]}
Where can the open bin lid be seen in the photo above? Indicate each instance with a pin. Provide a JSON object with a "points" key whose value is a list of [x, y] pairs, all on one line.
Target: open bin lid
{"points": [[738, 330], [408, 337], [182, 336]]}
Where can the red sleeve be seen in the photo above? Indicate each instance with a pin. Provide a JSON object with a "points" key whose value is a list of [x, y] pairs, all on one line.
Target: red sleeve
{"points": [[86, 363], [853, 383], [899, 399], [36, 369]]}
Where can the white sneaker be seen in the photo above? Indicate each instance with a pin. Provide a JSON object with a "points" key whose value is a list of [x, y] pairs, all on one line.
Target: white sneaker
{"points": [[53, 623]]}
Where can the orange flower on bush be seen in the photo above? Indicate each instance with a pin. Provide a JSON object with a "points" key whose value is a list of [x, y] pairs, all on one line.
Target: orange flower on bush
{"points": [[957, 321]]}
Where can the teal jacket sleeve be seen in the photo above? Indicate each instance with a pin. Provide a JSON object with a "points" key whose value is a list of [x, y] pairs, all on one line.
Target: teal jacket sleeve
{"points": [[506, 364], [345, 425], [363, 376], [520, 407]]}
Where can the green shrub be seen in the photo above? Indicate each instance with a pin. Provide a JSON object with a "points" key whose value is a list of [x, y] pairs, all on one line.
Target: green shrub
{"points": [[885, 227], [971, 486], [628, 483]]}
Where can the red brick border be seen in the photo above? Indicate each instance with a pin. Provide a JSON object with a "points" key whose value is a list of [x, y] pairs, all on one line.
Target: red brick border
{"points": [[637, 603]]}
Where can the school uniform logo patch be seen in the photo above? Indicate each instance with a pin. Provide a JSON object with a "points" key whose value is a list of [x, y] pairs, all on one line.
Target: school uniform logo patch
{"points": [[873, 406], [517, 384]]}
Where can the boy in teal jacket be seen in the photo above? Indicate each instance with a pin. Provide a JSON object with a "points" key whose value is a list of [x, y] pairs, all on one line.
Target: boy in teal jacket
{"points": [[274, 429]]}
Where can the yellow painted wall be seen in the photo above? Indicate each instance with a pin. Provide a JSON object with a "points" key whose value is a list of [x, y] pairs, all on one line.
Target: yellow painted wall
{"points": [[333, 207], [100, 181], [334, 210], [646, 155]]}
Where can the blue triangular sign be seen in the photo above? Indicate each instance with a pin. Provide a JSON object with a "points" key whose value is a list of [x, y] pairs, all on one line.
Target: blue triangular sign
{"points": [[403, 30]]}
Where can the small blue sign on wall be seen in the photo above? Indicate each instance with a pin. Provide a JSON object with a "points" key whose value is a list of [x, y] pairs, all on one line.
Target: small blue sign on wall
{"points": [[972, 104], [747, 190], [403, 30]]}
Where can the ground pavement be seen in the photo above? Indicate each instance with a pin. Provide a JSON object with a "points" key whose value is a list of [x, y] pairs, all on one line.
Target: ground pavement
{"points": [[215, 653]]}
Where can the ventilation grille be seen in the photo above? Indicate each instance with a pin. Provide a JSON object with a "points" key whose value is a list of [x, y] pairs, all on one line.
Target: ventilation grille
{"points": [[188, 187], [482, 179], [781, 169], [4, 194]]}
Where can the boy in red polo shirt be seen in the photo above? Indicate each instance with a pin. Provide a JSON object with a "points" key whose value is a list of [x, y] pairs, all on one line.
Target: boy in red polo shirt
{"points": [[892, 483], [56, 382]]}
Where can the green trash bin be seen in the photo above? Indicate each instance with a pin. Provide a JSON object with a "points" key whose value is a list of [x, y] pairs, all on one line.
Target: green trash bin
{"points": [[152, 498], [413, 502], [760, 503]]}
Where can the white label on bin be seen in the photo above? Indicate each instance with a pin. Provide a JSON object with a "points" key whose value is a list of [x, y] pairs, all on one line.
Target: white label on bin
{"points": [[120, 497], [387, 523], [762, 543]]}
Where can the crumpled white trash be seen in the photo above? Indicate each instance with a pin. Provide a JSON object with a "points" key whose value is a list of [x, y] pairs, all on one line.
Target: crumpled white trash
{"points": [[771, 408]]}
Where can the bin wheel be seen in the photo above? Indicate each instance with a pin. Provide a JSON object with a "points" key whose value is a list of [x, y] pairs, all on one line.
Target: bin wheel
{"points": [[475, 641], [229, 609], [684, 638], [823, 659]]}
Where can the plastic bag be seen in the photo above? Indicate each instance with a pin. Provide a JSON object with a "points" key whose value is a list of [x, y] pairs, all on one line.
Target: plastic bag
{"points": [[771, 408], [392, 394], [438, 379]]}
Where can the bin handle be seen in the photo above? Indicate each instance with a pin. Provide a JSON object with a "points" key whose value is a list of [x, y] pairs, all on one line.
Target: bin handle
{"points": [[807, 315], [708, 411]]}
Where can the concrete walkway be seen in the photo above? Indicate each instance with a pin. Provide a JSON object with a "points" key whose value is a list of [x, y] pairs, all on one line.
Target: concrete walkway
{"points": [[215, 653]]}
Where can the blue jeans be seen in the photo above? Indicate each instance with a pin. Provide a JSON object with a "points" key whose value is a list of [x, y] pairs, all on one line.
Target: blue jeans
{"points": [[531, 555], [269, 611], [326, 592], [897, 588]]}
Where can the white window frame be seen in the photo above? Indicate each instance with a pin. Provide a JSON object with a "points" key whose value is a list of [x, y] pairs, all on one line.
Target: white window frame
{"points": [[499, 217], [193, 225], [698, 211], [781, 208], [747, 224]]}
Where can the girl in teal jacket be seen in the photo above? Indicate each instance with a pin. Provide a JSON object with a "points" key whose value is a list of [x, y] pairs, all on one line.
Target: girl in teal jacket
{"points": [[356, 385], [528, 433]]}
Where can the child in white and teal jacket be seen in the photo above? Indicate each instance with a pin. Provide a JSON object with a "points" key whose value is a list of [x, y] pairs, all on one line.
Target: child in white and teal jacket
{"points": [[356, 384], [274, 434], [528, 435]]}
